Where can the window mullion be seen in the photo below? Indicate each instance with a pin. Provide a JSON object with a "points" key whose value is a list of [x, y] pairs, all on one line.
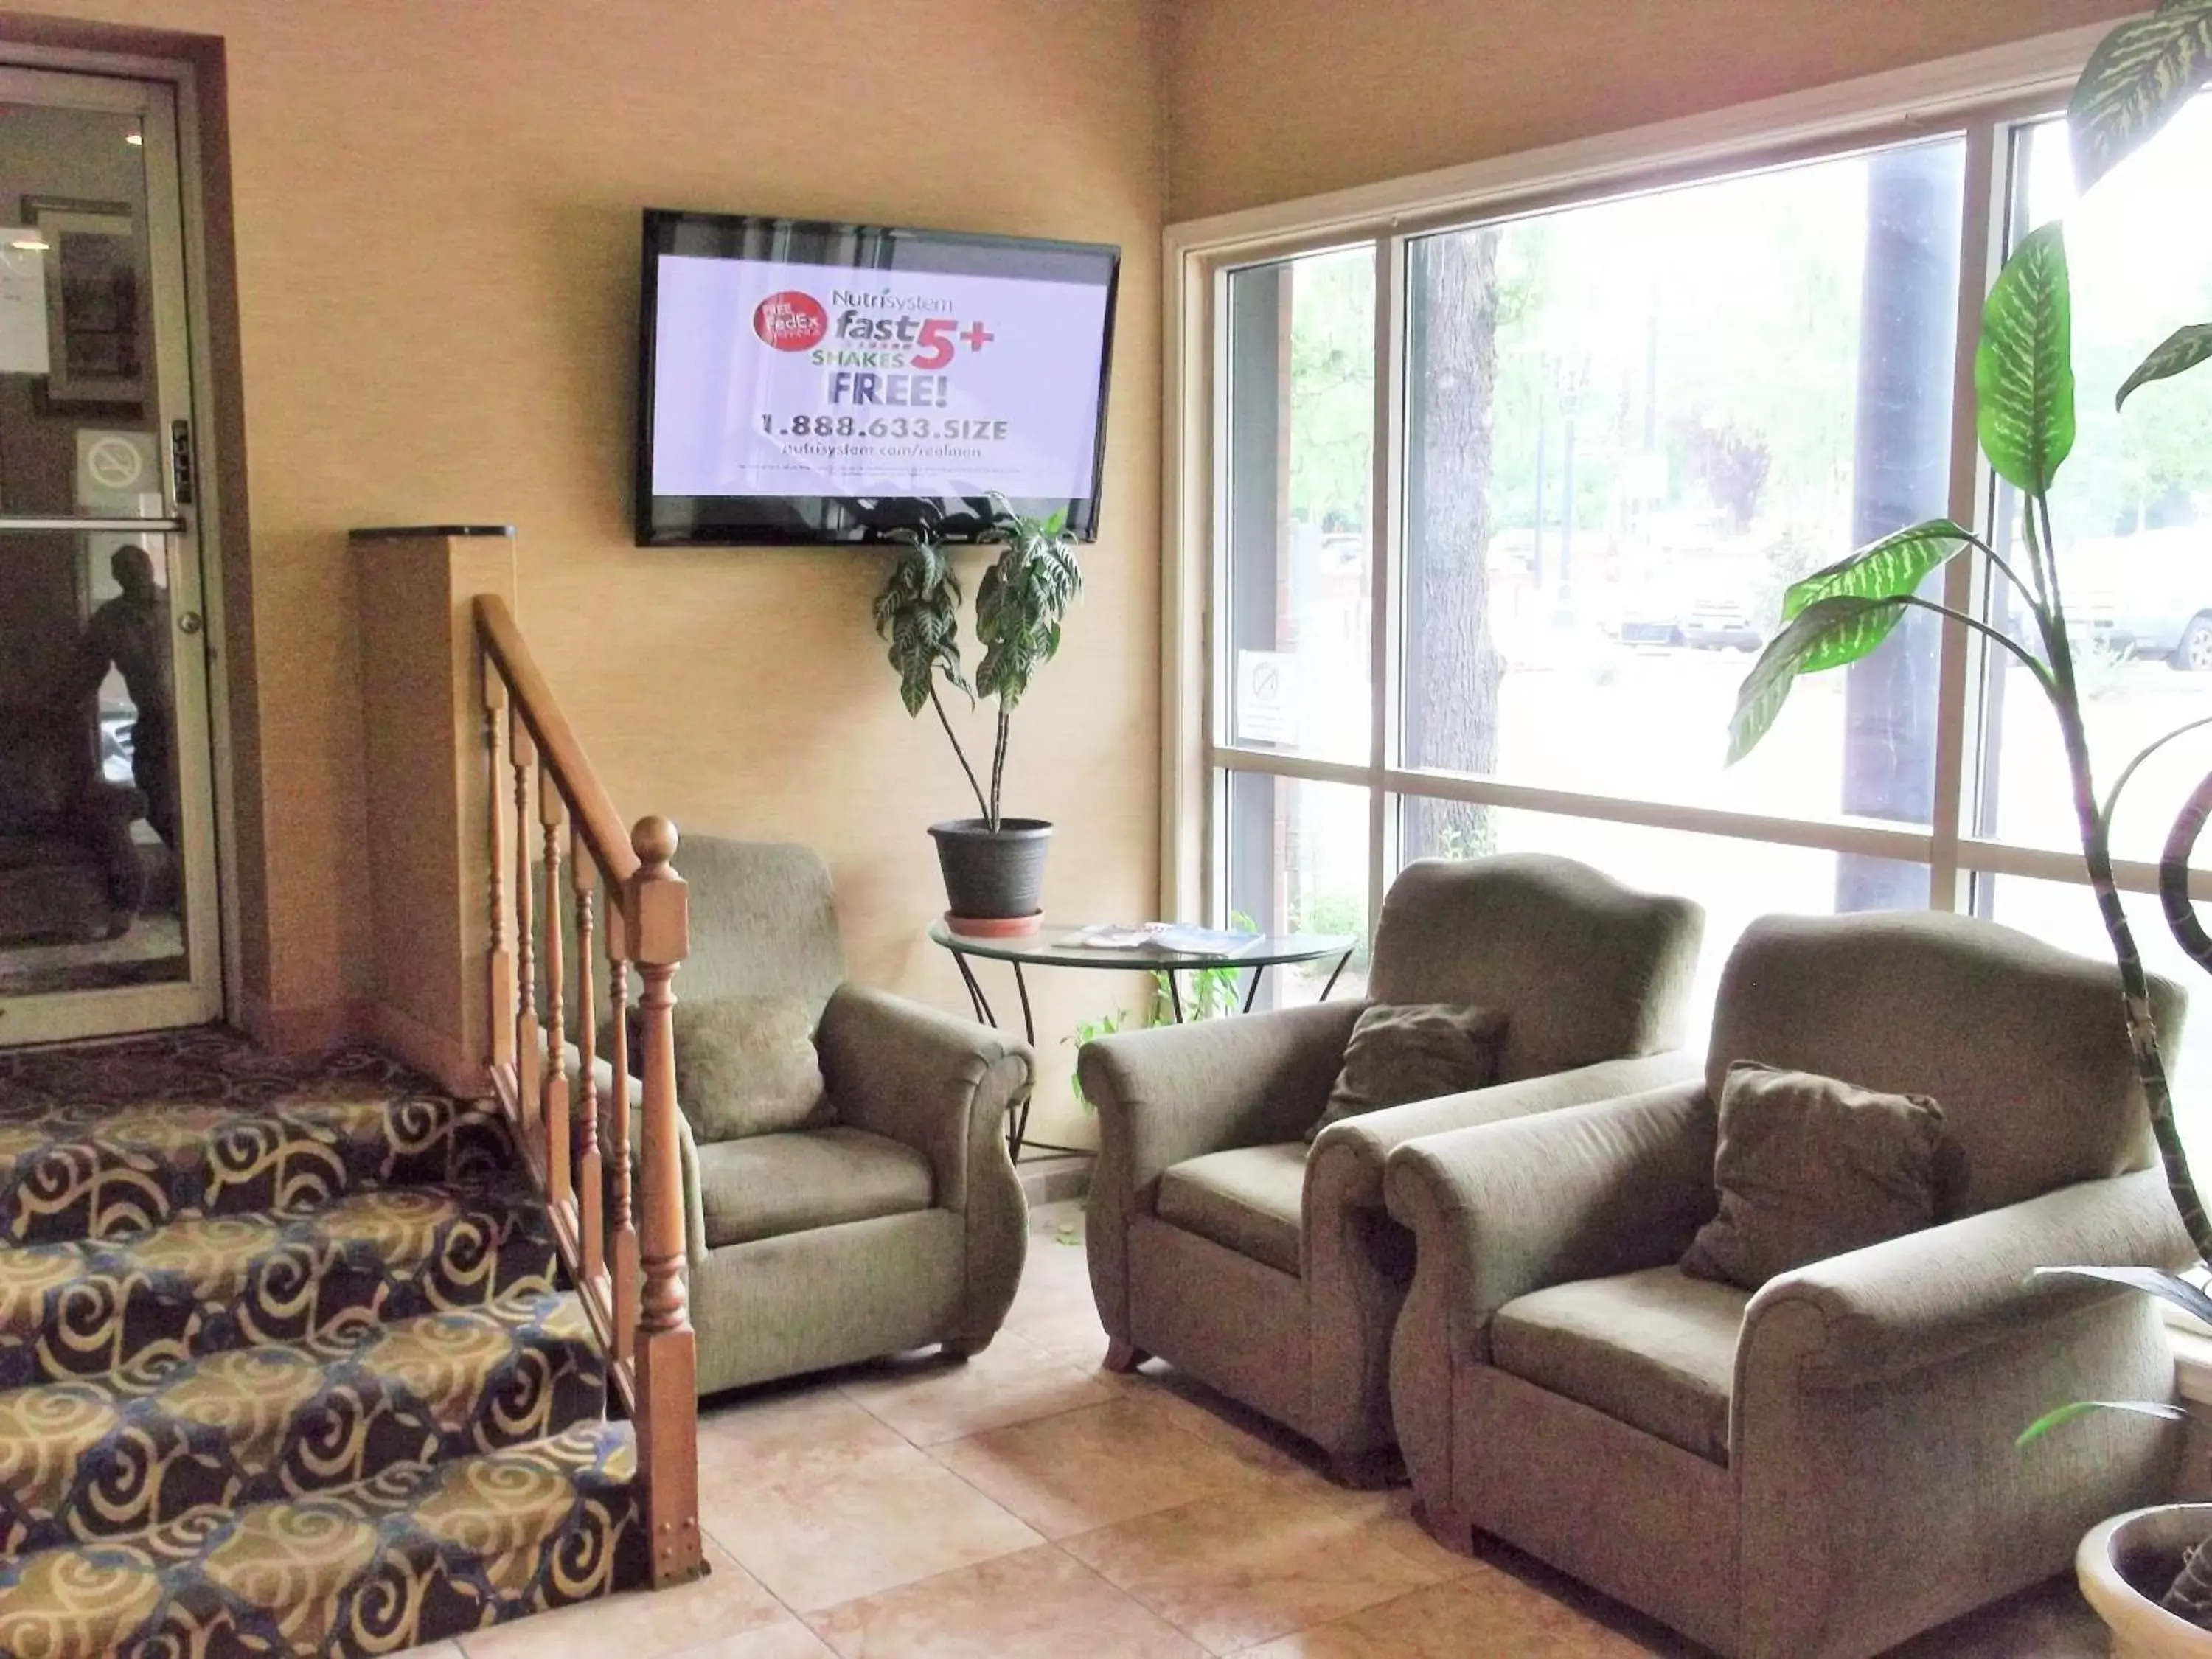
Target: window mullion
{"points": [[1386, 520], [1960, 673]]}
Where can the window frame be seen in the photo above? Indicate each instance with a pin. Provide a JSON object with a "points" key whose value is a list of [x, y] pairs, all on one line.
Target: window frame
{"points": [[1985, 97]]}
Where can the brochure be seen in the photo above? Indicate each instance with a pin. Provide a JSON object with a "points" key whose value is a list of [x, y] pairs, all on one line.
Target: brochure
{"points": [[1171, 937]]}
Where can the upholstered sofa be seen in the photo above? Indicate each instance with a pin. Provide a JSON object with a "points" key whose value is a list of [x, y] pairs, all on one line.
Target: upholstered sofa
{"points": [[1222, 1244], [1822, 1468], [898, 1226]]}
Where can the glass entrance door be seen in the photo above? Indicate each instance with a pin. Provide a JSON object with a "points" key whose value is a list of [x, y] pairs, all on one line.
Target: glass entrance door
{"points": [[108, 914]]}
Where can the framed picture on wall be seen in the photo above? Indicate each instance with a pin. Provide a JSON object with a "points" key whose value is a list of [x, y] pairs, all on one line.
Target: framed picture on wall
{"points": [[97, 331]]}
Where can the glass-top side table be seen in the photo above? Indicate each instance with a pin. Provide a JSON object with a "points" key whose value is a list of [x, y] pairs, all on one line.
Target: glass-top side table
{"points": [[1051, 946]]}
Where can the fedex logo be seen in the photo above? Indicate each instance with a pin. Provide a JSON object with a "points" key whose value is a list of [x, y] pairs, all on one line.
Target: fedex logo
{"points": [[791, 320]]}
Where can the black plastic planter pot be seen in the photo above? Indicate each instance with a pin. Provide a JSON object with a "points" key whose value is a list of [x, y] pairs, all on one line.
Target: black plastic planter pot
{"points": [[994, 876]]}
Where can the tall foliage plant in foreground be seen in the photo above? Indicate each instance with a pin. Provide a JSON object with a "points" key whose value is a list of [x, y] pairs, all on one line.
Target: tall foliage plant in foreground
{"points": [[2138, 78]]}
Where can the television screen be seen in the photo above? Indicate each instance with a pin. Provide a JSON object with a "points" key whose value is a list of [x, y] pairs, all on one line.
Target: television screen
{"points": [[803, 381]]}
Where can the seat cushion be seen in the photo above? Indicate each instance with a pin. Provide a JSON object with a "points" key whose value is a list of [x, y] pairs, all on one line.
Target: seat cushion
{"points": [[1654, 1349], [1247, 1199], [764, 1186]]}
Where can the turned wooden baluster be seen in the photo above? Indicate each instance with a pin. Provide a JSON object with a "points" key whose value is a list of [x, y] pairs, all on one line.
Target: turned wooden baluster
{"points": [[522, 754], [622, 1227], [500, 964], [553, 1109], [583, 872], [667, 1425]]}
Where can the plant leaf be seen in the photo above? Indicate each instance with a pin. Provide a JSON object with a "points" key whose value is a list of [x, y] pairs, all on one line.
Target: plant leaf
{"points": [[2024, 365], [2182, 1293], [1826, 634], [917, 611], [2049, 1421], [2184, 349], [2138, 78], [1018, 605], [1895, 565]]}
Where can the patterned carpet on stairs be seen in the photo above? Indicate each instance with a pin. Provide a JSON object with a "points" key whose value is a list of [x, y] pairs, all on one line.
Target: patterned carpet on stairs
{"points": [[287, 1365]]}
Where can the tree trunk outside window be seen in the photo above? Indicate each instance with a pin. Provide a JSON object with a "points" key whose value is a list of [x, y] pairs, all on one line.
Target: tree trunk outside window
{"points": [[1453, 666]]}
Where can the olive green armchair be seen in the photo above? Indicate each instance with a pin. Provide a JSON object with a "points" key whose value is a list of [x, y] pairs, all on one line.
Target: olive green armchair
{"points": [[1826, 1467], [1221, 1242], [898, 1226]]}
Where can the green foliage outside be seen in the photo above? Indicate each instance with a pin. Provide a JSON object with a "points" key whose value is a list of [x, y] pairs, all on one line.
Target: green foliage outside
{"points": [[1711, 406], [1332, 413], [1332, 911]]}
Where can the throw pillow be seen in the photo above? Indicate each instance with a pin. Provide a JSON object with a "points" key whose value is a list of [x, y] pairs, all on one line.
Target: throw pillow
{"points": [[746, 1066], [1406, 1051], [1809, 1167]]}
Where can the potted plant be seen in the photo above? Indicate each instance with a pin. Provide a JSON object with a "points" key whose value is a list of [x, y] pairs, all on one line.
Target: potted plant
{"points": [[2147, 1574], [993, 865]]}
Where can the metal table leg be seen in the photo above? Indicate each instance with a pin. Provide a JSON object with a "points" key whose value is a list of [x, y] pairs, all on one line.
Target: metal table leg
{"points": [[1017, 1118], [1252, 991], [974, 991], [1343, 962]]}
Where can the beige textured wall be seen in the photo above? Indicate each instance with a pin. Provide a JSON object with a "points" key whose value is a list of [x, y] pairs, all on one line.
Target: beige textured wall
{"points": [[436, 211], [1269, 99]]}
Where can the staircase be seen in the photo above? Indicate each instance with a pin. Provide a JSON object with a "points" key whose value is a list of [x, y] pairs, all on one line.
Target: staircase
{"points": [[288, 1364]]}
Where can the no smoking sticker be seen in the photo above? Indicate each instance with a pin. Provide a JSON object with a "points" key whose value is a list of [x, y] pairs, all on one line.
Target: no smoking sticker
{"points": [[117, 471], [114, 463]]}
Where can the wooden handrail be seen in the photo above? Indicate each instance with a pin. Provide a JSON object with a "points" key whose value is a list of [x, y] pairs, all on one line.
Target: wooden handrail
{"points": [[558, 749], [622, 1247]]}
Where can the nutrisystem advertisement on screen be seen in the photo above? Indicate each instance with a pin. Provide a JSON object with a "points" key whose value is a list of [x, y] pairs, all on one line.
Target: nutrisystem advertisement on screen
{"points": [[793, 380]]}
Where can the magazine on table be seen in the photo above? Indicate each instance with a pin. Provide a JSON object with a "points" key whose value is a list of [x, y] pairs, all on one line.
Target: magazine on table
{"points": [[1172, 938]]}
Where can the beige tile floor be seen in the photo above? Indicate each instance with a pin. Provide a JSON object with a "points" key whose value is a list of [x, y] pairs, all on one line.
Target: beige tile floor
{"points": [[1029, 1504]]}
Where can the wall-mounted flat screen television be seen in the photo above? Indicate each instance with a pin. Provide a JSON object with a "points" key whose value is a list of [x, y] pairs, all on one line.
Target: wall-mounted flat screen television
{"points": [[806, 381]]}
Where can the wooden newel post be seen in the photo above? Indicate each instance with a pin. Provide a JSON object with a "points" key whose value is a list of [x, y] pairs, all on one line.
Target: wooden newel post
{"points": [[667, 1399]]}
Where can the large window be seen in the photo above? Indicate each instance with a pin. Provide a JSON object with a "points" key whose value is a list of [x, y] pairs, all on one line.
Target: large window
{"points": [[1629, 426], [1504, 502], [2133, 509]]}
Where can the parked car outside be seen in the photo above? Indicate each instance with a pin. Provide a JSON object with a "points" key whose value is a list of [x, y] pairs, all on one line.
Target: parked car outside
{"points": [[2149, 593], [1653, 627], [1719, 625]]}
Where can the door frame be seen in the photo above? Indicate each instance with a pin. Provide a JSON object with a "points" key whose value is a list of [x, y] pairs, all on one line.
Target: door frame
{"points": [[209, 507]]}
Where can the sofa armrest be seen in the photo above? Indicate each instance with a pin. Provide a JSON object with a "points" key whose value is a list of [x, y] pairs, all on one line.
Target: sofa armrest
{"points": [[1174, 1092], [1877, 1396], [1945, 1290], [938, 1085], [1348, 1156], [1505, 1209]]}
